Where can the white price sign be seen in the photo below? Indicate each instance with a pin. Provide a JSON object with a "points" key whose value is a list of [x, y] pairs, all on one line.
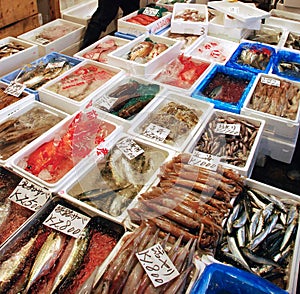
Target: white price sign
{"points": [[157, 265], [67, 221], [228, 129], [151, 11], [30, 195], [270, 81], [156, 132], [105, 102], [234, 9], [14, 89], [55, 65], [130, 148], [204, 160]]}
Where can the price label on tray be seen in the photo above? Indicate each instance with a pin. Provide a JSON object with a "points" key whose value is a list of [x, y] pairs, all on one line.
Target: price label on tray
{"points": [[156, 132], [42, 40], [151, 11], [105, 102], [234, 9], [14, 89], [228, 129], [204, 160], [157, 265], [130, 148], [270, 81], [51, 65], [67, 221], [30, 195]]}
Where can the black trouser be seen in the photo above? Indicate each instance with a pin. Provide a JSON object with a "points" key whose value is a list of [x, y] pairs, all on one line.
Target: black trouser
{"points": [[106, 12]]}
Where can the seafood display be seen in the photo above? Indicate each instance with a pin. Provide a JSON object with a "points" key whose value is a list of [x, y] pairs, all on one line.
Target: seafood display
{"points": [[54, 158], [17, 132], [259, 235], [48, 261], [82, 82], [146, 51], [266, 35], [188, 39], [10, 49], [233, 149], [179, 119], [182, 72], [280, 100], [7, 99], [36, 75], [128, 99], [190, 14], [125, 273], [293, 41], [290, 69], [189, 202], [100, 51], [114, 182]]}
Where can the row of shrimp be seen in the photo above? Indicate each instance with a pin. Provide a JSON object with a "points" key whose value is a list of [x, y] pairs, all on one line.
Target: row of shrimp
{"points": [[189, 201]]}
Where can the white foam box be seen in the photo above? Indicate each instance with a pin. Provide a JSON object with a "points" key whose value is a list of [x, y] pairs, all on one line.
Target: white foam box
{"points": [[67, 104], [281, 128], [19, 110], [16, 162], [287, 36], [284, 19], [119, 56], [291, 3], [59, 44], [170, 4], [17, 60], [134, 29], [230, 22], [72, 50], [181, 26], [250, 162], [118, 41], [202, 108]]}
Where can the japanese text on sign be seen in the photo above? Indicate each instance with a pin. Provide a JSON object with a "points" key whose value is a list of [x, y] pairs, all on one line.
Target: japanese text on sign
{"points": [[67, 221], [30, 195], [157, 265], [228, 129], [234, 9], [14, 89], [129, 148], [204, 160], [156, 132], [105, 102], [55, 64], [270, 81], [150, 11]]}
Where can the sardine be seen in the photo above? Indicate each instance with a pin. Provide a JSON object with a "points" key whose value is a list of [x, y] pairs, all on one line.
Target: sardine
{"points": [[288, 233], [4, 210]]}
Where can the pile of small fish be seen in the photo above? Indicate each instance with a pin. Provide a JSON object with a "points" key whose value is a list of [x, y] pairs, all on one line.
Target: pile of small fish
{"points": [[280, 100], [7, 99], [182, 72], [290, 69], [267, 35], [190, 14], [82, 82], [189, 201], [254, 57], [17, 132], [115, 181], [188, 39], [9, 49], [293, 41], [47, 261], [125, 273], [260, 235], [129, 98]]}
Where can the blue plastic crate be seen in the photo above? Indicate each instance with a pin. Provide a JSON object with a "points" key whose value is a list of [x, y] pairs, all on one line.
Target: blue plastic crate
{"points": [[287, 57], [233, 60], [240, 74], [45, 59], [219, 278]]}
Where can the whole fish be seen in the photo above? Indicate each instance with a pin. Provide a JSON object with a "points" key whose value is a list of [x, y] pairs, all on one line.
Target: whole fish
{"points": [[4, 210]]}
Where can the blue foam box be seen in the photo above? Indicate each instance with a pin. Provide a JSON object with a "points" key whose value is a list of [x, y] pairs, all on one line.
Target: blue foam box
{"points": [[288, 57], [223, 279], [233, 60], [227, 106], [45, 59]]}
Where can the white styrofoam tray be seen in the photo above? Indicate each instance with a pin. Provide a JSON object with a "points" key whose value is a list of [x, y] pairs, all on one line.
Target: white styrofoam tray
{"points": [[202, 108], [119, 56], [179, 25], [59, 44], [67, 104], [284, 19], [288, 35], [10, 63], [281, 127], [250, 162]]}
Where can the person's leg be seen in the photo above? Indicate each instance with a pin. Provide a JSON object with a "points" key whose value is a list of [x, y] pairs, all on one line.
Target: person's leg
{"points": [[129, 6]]}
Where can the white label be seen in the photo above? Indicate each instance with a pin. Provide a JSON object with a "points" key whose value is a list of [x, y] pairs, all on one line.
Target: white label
{"points": [[67, 221], [204, 160], [234, 9], [157, 265], [14, 89], [55, 64], [105, 102], [130, 148], [30, 195], [228, 129], [270, 81], [151, 11], [42, 40], [156, 132]]}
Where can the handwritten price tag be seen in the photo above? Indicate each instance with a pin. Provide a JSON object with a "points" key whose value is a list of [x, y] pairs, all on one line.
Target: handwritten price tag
{"points": [[30, 195], [204, 160], [156, 132], [130, 148], [14, 89], [67, 221], [270, 81], [157, 265], [234, 9], [150, 11], [228, 129], [105, 102], [55, 65]]}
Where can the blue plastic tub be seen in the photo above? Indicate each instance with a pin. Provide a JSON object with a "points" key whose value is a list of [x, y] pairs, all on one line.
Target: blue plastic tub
{"points": [[223, 279]]}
